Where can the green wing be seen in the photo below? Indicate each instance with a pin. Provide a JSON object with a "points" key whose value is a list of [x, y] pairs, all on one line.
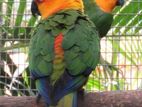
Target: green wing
{"points": [[41, 53], [82, 47], [81, 44]]}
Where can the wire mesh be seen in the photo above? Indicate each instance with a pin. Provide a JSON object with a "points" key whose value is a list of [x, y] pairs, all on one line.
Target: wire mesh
{"points": [[120, 66]]}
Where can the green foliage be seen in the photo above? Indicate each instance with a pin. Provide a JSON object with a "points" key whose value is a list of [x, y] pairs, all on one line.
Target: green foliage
{"points": [[15, 31]]}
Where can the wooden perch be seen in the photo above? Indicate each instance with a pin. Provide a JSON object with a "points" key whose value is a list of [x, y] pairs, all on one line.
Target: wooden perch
{"points": [[99, 99]]}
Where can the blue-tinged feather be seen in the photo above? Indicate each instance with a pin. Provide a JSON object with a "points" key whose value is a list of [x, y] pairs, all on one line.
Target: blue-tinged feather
{"points": [[69, 83], [69, 100], [44, 89]]}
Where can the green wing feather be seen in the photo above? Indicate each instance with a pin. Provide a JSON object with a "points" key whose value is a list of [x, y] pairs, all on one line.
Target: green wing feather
{"points": [[81, 43], [41, 52], [82, 46]]}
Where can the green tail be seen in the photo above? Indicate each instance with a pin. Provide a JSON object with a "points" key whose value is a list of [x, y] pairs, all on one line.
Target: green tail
{"points": [[69, 100]]}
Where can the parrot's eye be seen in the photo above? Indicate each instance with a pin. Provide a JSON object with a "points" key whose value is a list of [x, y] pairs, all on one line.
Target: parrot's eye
{"points": [[39, 1]]}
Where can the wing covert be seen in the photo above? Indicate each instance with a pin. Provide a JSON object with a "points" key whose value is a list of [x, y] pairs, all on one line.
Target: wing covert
{"points": [[82, 47]]}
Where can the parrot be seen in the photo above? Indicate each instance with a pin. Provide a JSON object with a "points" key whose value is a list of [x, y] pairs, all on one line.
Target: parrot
{"points": [[64, 49], [100, 13]]}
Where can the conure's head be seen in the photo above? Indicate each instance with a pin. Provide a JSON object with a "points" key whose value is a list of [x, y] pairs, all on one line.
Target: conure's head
{"points": [[45, 8], [109, 5]]}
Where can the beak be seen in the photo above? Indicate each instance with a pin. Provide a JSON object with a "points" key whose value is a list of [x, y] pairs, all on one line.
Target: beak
{"points": [[120, 2], [34, 9]]}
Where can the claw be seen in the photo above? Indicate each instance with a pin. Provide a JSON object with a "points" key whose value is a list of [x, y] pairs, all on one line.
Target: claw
{"points": [[81, 94], [38, 98]]}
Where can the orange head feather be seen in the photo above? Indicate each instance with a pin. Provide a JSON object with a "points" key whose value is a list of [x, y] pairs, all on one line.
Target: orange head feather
{"points": [[109, 5], [49, 7]]}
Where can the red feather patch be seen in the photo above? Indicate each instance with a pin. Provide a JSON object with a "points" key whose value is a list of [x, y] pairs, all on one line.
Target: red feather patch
{"points": [[58, 45]]}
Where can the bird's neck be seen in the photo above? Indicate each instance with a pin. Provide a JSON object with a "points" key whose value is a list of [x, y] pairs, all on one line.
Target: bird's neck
{"points": [[50, 8], [106, 6]]}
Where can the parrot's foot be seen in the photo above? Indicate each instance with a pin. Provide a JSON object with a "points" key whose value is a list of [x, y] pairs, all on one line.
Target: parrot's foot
{"points": [[38, 98], [81, 94], [47, 105]]}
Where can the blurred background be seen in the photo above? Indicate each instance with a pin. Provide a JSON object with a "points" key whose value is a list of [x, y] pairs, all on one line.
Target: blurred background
{"points": [[120, 66]]}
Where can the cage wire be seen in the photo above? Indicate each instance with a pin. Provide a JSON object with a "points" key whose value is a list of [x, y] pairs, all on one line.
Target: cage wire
{"points": [[120, 66]]}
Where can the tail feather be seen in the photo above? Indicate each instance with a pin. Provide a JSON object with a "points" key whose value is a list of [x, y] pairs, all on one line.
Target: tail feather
{"points": [[70, 100], [44, 89], [67, 84], [65, 97], [64, 90]]}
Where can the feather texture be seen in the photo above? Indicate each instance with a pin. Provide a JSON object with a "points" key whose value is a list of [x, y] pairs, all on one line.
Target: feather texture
{"points": [[63, 51]]}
